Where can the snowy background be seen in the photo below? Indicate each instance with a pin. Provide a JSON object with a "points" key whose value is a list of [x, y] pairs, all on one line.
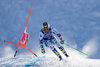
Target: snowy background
{"points": [[76, 20]]}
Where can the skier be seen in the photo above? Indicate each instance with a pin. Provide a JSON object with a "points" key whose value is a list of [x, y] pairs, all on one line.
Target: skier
{"points": [[47, 39]]}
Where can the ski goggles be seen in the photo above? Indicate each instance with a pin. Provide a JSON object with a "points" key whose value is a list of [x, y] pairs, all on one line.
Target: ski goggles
{"points": [[46, 28]]}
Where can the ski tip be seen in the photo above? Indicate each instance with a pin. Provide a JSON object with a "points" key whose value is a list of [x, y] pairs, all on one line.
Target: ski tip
{"points": [[66, 55], [60, 58]]}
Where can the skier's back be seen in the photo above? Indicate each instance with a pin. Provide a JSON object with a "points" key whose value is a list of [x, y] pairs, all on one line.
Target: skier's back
{"points": [[47, 38]]}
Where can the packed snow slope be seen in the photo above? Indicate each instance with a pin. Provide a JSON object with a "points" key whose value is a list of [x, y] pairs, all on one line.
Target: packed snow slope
{"points": [[50, 60]]}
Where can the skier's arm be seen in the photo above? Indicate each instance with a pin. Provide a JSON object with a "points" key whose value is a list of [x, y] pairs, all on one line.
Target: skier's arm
{"points": [[41, 38], [41, 42], [59, 35]]}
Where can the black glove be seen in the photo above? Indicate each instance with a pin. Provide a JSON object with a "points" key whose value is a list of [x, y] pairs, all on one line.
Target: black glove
{"points": [[62, 41], [42, 49]]}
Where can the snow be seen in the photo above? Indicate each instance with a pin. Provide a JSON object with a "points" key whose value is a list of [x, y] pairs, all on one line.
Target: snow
{"points": [[75, 60]]}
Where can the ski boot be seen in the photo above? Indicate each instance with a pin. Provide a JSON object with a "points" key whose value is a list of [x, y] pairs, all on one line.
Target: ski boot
{"points": [[63, 51]]}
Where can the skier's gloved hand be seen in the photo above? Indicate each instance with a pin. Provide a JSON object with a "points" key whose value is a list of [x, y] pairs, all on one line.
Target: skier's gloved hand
{"points": [[62, 41], [42, 49]]}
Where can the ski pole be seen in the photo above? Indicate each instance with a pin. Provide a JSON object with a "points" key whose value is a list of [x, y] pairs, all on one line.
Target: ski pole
{"points": [[76, 49]]}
